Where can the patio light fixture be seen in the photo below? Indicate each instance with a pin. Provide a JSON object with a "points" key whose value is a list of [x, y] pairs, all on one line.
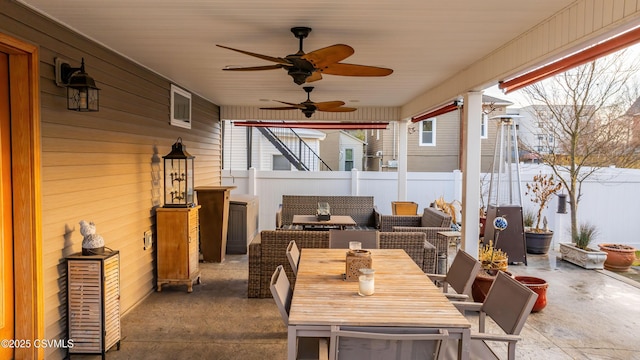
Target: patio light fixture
{"points": [[178, 177], [82, 92]]}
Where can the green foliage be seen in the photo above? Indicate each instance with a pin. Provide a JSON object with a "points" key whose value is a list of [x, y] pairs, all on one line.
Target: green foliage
{"points": [[585, 235], [528, 217]]}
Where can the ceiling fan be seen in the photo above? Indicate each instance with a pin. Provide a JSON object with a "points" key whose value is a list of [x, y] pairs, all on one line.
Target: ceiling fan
{"points": [[309, 107], [310, 67]]}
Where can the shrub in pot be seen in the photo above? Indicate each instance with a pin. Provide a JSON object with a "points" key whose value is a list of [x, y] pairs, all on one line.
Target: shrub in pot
{"points": [[540, 190]]}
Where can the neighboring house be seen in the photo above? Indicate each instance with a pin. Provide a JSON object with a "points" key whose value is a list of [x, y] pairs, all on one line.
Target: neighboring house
{"points": [[342, 151], [247, 147], [532, 130], [434, 144], [634, 119]]}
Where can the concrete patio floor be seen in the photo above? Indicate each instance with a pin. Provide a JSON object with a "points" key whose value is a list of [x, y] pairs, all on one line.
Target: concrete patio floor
{"points": [[591, 314]]}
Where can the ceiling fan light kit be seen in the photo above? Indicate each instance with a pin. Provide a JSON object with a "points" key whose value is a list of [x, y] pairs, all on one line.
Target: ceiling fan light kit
{"points": [[308, 67]]}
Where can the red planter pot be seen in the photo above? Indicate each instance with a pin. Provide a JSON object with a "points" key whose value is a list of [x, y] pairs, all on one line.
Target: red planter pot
{"points": [[482, 284], [539, 286], [619, 257]]}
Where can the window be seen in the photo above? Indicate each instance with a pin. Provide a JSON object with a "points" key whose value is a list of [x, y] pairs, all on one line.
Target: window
{"points": [[281, 163], [484, 126], [348, 159], [180, 107], [428, 132]]}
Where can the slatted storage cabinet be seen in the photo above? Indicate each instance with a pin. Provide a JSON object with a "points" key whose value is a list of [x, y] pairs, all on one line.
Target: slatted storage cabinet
{"points": [[93, 302]]}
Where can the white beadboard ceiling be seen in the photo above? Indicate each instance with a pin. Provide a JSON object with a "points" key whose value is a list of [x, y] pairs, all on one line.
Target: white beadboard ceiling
{"points": [[425, 42]]}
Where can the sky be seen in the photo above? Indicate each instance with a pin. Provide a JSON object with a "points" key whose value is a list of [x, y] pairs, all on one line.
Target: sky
{"points": [[519, 100]]}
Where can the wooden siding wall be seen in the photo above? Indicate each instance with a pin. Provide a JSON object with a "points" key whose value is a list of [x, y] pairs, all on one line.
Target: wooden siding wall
{"points": [[105, 167]]}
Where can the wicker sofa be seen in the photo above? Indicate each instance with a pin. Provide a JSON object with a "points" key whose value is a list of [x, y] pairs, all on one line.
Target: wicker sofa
{"points": [[360, 208], [268, 250]]}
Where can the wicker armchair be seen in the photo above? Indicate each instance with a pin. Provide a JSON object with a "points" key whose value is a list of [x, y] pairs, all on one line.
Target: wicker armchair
{"points": [[431, 222], [415, 244]]}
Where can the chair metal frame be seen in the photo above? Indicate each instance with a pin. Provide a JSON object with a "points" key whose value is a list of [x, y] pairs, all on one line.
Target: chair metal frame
{"points": [[397, 341], [460, 276], [508, 304], [293, 255], [339, 239], [307, 347]]}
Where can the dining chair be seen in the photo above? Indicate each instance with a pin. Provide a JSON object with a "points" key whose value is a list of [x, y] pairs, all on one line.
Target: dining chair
{"points": [[460, 276], [352, 342], [293, 254], [339, 239], [508, 304], [308, 347]]}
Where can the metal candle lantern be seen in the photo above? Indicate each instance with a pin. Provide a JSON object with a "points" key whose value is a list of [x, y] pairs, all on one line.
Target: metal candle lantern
{"points": [[178, 177]]}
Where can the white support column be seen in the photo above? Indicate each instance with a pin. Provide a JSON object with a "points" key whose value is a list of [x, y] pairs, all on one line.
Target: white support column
{"points": [[471, 124], [355, 182], [402, 159]]}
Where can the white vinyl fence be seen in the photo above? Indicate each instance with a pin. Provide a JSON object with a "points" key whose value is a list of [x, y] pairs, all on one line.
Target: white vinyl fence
{"points": [[610, 199]]}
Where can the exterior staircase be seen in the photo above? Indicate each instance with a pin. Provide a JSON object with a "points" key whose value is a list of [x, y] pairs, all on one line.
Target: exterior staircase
{"points": [[294, 149]]}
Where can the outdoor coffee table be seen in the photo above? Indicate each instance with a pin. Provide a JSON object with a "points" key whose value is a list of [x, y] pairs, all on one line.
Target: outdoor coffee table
{"points": [[309, 222]]}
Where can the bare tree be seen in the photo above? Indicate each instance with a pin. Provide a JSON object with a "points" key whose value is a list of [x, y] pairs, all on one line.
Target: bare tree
{"points": [[582, 114]]}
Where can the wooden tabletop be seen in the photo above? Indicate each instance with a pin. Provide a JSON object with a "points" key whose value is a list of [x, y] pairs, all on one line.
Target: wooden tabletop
{"points": [[335, 220], [404, 296]]}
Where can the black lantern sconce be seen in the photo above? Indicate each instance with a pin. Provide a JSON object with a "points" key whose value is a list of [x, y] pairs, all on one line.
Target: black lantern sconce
{"points": [[82, 92], [562, 203], [178, 177]]}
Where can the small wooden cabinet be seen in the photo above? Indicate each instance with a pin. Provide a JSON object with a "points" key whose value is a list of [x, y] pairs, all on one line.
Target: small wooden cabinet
{"points": [[93, 302], [177, 245]]}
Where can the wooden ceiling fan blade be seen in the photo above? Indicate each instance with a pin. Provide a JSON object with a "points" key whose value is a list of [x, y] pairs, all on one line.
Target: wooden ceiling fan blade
{"points": [[339, 109], [280, 108], [259, 56], [329, 55], [254, 68], [325, 105], [355, 70], [315, 76], [296, 106]]}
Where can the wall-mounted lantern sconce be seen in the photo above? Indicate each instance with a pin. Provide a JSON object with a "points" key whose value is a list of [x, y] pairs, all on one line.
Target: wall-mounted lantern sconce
{"points": [[82, 92], [178, 177], [562, 203]]}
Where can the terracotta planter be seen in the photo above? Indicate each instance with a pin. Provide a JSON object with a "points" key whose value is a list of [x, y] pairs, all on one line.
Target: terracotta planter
{"points": [[481, 285], [619, 257], [539, 286], [538, 243]]}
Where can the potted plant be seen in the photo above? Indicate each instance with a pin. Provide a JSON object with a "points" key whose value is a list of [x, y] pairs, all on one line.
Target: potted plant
{"points": [[540, 190], [579, 252], [449, 208], [492, 260], [620, 257]]}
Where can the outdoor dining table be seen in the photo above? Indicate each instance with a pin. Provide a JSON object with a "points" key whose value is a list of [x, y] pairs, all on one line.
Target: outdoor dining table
{"points": [[404, 297]]}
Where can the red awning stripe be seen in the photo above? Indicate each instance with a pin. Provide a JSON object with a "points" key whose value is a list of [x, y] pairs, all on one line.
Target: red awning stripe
{"points": [[587, 55], [314, 125], [443, 110]]}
